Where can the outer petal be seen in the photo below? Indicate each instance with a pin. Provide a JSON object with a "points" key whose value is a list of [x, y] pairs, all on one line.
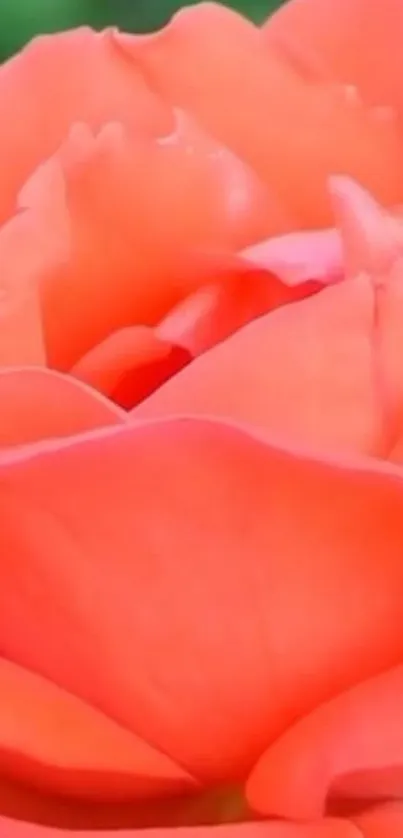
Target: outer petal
{"points": [[351, 748], [61, 79], [329, 38], [178, 541], [50, 739], [294, 131], [135, 210], [37, 404], [325, 829]]}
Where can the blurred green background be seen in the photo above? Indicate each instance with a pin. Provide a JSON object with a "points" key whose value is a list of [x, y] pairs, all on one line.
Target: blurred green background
{"points": [[21, 19]]}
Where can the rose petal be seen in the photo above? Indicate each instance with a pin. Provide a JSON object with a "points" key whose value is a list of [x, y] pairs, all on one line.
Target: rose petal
{"points": [[53, 80], [350, 748], [301, 257], [38, 404], [325, 829], [135, 210], [303, 372], [237, 289], [382, 822], [52, 740], [154, 527], [32, 247], [293, 130], [328, 37], [338, 383], [104, 366]]}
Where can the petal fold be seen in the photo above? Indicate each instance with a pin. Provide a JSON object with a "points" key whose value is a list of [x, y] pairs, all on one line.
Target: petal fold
{"points": [[349, 749], [51, 740], [38, 404], [136, 209]]}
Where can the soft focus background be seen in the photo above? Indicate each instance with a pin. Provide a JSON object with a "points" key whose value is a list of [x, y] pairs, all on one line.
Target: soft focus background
{"points": [[20, 20]]}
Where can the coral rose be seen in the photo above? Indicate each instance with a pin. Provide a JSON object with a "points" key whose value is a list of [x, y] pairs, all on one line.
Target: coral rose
{"points": [[201, 427]]}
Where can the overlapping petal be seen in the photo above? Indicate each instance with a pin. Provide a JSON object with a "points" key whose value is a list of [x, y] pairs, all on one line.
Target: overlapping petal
{"points": [[349, 749], [147, 603], [294, 130], [239, 288], [37, 404], [50, 739], [325, 371], [345, 41], [135, 211], [61, 79]]}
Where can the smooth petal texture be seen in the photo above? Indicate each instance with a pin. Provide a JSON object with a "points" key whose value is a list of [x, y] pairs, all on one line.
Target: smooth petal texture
{"points": [[133, 348], [339, 383], [209, 55], [37, 404], [136, 209], [54, 79], [350, 748], [304, 372], [329, 37], [325, 829], [154, 527], [383, 822], [32, 247], [52, 740], [373, 244]]}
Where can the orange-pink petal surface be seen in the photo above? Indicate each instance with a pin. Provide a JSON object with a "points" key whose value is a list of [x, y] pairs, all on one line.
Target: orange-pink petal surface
{"points": [[330, 828], [147, 602], [326, 371], [59, 80], [349, 749], [38, 404], [135, 210], [51, 740], [352, 41], [293, 130]]}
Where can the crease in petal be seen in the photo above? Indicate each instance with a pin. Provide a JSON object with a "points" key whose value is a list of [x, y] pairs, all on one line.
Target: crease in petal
{"points": [[52, 741], [192, 500]]}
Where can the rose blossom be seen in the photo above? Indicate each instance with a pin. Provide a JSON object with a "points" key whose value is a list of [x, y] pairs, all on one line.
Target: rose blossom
{"points": [[201, 486]]}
